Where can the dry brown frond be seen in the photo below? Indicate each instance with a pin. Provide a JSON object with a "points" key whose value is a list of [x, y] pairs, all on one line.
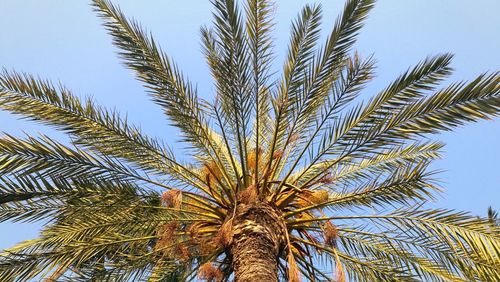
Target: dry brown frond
{"points": [[172, 198], [207, 246], [203, 237], [167, 231], [293, 269], [193, 230], [305, 216], [266, 173], [311, 238], [166, 234], [330, 234], [339, 271], [294, 137], [211, 173], [182, 252], [248, 195], [225, 235], [282, 196], [192, 205], [210, 273]]}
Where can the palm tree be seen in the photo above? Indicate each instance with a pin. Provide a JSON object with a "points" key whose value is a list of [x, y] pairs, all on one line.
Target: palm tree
{"points": [[292, 176]]}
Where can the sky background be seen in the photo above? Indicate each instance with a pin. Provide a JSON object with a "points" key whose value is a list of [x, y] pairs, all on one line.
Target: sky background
{"points": [[64, 41]]}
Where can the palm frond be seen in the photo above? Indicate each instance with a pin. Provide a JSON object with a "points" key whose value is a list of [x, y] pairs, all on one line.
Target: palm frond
{"points": [[359, 269], [428, 256], [233, 78], [407, 184], [363, 246], [123, 225], [88, 123], [305, 33], [355, 132], [448, 108], [169, 89], [369, 168], [34, 198], [51, 159], [453, 246], [213, 60], [258, 28], [327, 68], [444, 110], [349, 84]]}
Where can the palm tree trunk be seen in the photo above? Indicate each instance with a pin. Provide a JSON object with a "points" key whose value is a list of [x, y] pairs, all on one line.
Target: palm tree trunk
{"points": [[257, 241]]}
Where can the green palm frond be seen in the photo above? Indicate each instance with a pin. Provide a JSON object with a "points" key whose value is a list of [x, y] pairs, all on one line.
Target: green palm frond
{"points": [[390, 124], [351, 80], [234, 80], [457, 233], [369, 168], [305, 33], [259, 27], [122, 221], [169, 88], [51, 159], [404, 185], [326, 70], [218, 72], [448, 108], [393, 254], [91, 125], [443, 237], [388, 161], [407, 88], [32, 197], [361, 269], [323, 72]]}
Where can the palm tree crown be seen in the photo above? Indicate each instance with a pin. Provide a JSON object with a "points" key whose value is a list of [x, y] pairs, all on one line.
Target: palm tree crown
{"points": [[292, 178]]}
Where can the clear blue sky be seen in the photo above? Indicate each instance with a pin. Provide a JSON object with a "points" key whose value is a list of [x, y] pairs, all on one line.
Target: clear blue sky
{"points": [[64, 41]]}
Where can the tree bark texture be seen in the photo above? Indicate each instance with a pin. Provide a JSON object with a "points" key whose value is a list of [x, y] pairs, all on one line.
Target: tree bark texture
{"points": [[257, 241]]}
